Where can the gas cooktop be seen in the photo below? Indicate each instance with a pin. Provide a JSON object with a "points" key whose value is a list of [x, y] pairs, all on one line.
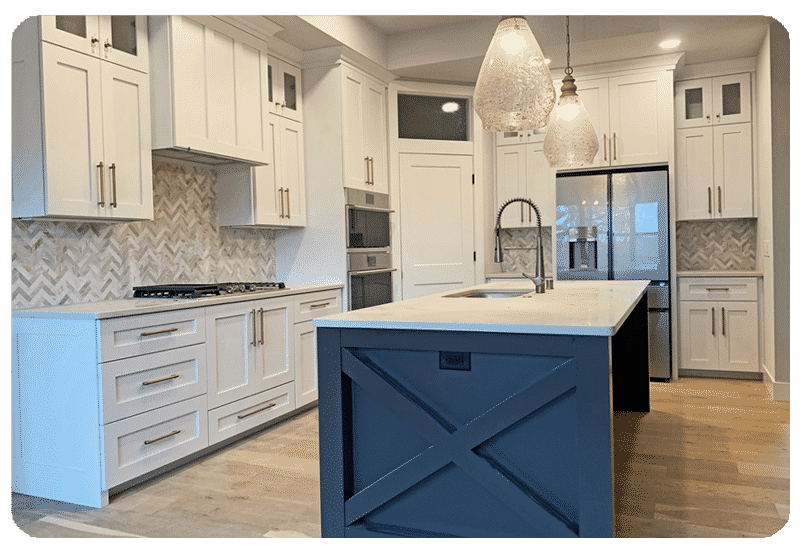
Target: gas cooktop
{"points": [[200, 290]]}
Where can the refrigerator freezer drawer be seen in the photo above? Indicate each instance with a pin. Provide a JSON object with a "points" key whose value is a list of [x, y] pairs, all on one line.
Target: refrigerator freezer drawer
{"points": [[660, 350]]}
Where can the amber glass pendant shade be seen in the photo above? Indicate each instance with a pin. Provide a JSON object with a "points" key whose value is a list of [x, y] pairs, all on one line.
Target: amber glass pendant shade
{"points": [[514, 90]]}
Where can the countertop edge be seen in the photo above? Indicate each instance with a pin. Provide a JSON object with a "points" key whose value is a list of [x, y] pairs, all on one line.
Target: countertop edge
{"points": [[133, 306], [713, 273]]}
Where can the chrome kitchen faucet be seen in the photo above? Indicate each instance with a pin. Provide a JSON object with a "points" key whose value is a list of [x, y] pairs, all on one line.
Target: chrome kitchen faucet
{"points": [[538, 276]]}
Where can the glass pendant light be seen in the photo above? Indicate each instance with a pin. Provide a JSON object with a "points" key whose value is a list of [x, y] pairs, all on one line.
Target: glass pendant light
{"points": [[571, 141], [514, 90]]}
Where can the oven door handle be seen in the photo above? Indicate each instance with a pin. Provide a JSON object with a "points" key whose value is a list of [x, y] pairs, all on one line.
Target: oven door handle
{"points": [[369, 209], [370, 271]]}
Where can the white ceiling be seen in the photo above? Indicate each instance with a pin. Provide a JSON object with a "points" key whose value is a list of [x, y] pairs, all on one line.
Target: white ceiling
{"points": [[593, 39]]}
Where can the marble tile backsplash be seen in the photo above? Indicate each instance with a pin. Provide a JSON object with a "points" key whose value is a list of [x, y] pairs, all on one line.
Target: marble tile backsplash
{"points": [[64, 262], [519, 250], [716, 245]]}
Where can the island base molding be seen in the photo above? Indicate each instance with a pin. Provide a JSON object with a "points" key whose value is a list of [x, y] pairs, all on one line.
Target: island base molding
{"points": [[437, 433]]}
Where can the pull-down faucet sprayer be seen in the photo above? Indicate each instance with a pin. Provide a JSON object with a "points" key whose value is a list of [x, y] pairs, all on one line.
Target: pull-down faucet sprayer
{"points": [[538, 276]]}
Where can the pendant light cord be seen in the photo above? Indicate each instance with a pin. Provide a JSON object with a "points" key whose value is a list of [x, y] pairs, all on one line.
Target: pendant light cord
{"points": [[568, 70]]}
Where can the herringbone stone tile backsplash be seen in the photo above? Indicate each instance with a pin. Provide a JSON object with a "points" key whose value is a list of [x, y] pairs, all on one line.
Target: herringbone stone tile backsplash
{"points": [[716, 245], [74, 262], [519, 250]]}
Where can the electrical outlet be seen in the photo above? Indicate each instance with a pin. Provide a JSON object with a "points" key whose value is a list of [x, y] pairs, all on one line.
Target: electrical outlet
{"points": [[766, 249]]}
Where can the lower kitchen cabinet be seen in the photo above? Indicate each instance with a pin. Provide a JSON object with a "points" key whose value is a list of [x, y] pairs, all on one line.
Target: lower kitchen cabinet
{"points": [[718, 320], [97, 403]]}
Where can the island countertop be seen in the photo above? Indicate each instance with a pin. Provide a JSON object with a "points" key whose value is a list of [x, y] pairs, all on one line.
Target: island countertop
{"points": [[584, 308]]}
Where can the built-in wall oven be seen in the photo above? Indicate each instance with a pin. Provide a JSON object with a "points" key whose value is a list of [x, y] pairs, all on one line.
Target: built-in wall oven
{"points": [[369, 251]]}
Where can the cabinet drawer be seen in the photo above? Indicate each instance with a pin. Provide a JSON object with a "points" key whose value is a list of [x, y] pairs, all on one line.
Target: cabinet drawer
{"points": [[140, 334], [237, 417], [139, 384], [718, 288], [317, 304], [141, 443]]}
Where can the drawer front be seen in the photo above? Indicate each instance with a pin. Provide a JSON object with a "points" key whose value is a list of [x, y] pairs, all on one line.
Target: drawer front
{"points": [[718, 288], [142, 443], [139, 384], [140, 334], [237, 417], [317, 304]]}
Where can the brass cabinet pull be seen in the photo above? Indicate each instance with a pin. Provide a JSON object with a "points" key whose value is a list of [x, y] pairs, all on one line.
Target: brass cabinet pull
{"points": [[709, 200], [261, 312], [157, 332], [366, 165], [174, 432], [372, 170], [719, 202], [253, 343], [713, 315], [288, 208], [723, 321], [251, 413], [313, 306], [615, 146], [605, 153], [521, 213], [113, 169], [280, 192], [151, 382], [102, 186], [723, 288]]}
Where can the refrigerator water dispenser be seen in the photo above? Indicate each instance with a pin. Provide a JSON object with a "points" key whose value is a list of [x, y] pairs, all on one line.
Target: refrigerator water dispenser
{"points": [[583, 248]]}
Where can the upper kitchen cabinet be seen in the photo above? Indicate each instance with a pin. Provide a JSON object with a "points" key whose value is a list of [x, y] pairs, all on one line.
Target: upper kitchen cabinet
{"points": [[709, 101], [523, 171], [284, 87], [270, 195], [80, 134], [120, 39], [714, 148], [209, 89], [632, 115], [364, 131]]}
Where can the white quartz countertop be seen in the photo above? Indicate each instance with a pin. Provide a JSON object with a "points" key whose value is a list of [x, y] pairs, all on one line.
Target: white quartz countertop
{"points": [[719, 273], [138, 306], [585, 308]]}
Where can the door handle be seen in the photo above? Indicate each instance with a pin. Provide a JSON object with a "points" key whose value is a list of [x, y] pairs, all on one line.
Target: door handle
{"points": [[159, 380], [150, 441], [713, 315], [605, 152], [709, 200], [261, 312], [102, 186], [251, 413], [615, 146], [288, 207], [280, 192], [366, 166], [719, 201], [253, 343], [113, 170], [723, 321]]}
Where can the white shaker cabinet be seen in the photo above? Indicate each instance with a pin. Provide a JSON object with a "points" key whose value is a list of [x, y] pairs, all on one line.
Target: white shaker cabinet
{"points": [[208, 88], [364, 131], [80, 134], [284, 85], [120, 39], [272, 195], [523, 171], [718, 319], [714, 148]]}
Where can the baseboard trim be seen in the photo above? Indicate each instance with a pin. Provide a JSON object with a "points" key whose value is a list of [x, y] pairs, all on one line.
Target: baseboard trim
{"points": [[779, 390], [697, 373]]}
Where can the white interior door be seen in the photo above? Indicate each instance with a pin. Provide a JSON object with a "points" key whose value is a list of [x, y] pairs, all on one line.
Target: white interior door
{"points": [[437, 223]]}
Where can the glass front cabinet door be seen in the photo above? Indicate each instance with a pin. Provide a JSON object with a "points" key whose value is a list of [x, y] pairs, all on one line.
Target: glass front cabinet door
{"points": [[710, 101], [120, 39]]}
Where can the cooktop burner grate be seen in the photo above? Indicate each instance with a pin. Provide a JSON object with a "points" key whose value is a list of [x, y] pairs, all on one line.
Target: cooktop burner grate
{"points": [[200, 290]]}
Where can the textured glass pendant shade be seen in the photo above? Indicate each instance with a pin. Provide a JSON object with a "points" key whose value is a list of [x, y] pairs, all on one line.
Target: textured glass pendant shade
{"points": [[514, 90], [571, 141]]}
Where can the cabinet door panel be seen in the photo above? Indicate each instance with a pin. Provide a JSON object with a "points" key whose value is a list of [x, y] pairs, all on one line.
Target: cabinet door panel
{"points": [[250, 67], [220, 52], [732, 99], [292, 171], [231, 353], [594, 96], [73, 132], [355, 162], [190, 82], [374, 109], [541, 188], [123, 40], [126, 116], [693, 104], [305, 345], [511, 167], [733, 170], [72, 31], [637, 119], [698, 344], [694, 158], [274, 357], [739, 336]]}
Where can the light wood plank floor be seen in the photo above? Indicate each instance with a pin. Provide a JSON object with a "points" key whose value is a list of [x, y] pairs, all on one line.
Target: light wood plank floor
{"points": [[710, 460]]}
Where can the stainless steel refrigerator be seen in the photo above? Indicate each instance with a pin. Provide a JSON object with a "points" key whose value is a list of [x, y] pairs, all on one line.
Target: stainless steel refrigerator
{"points": [[613, 224]]}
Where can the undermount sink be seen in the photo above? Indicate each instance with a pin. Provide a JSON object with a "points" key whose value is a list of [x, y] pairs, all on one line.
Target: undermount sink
{"points": [[489, 293]]}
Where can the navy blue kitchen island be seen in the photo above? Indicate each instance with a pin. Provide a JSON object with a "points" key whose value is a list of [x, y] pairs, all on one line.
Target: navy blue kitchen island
{"points": [[474, 417]]}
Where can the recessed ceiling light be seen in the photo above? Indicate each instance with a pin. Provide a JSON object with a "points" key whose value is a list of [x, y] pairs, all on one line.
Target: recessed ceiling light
{"points": [[669, 44]]}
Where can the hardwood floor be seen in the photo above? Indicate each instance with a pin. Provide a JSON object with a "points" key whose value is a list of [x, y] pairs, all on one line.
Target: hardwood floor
{"points": [[710, 460]]}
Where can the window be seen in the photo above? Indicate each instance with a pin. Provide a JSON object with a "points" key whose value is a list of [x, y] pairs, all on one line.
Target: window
{"points": [[432, 117]]}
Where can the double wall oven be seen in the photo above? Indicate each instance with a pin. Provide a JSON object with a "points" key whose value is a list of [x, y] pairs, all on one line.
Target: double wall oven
{"points": [[369, 254]]}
